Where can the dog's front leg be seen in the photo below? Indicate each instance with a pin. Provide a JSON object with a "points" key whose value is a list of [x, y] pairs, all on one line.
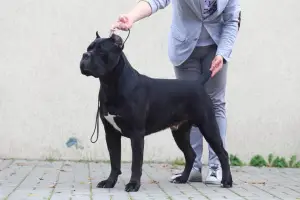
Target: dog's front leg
{"points": [[137, 147], [113, 141]]}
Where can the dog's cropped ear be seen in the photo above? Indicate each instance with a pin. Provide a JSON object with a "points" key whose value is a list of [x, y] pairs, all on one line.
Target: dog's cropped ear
{"points": [[97, 34], [118, 41]]}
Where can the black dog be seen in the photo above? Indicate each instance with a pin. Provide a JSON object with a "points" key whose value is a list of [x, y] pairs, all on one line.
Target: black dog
{"points": [[133, 105]]}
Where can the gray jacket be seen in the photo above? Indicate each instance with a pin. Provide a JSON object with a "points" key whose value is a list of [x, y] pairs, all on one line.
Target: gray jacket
{"points": [[187, 22]]}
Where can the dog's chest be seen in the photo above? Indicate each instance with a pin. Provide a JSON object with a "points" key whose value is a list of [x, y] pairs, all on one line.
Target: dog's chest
{"points": [[117, 118], [112, 120]]}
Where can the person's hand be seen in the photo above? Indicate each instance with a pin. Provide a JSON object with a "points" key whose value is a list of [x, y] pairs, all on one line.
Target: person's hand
{"points": [[216, 65], [123, 23]]}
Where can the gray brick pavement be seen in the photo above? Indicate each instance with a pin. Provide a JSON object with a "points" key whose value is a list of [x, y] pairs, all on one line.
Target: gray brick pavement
{"points": [[63, 180]]}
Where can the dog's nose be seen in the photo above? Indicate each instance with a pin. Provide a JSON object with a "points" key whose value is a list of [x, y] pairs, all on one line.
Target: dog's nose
{"points": [[85, 56]]}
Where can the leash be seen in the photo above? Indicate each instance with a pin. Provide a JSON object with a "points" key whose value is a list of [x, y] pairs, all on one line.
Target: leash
{"points": [[96, 128], [97, 121], [126, 37]]}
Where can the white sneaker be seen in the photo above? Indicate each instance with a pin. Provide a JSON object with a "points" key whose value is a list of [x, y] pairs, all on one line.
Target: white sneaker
{"points": [[214, 175], [195, 176]]}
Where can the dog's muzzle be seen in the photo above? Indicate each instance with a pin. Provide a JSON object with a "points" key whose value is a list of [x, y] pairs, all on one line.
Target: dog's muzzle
{"points": [[85, 60]]}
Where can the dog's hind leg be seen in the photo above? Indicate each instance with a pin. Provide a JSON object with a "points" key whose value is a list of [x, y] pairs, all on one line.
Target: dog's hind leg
{"points": [[208, 126], [113, 141], [182, 139]]}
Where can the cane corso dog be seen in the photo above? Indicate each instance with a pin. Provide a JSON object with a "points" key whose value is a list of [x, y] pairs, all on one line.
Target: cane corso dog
{"points": [[134, 106]]}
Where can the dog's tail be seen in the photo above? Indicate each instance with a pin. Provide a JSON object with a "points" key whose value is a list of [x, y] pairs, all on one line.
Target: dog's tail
{"points": [[205, 76]]}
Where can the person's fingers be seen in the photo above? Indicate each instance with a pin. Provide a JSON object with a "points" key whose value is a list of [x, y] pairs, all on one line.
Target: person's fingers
{"points": [[123, 27], [216, 66], [218, 62], [120, 23], [213, 73], [123, 19], [114, 26], [120, 26], [213, 64], [216, 69]]}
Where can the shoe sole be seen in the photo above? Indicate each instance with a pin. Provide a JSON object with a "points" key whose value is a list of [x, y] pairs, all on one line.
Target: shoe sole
{"points": [[198, 179], [212, 182], [195, 180]]}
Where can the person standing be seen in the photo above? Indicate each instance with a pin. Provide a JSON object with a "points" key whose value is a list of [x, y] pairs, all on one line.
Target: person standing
{"points": [[202, 36]]}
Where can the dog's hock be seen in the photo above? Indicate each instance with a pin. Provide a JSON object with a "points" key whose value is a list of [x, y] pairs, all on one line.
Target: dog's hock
{"points": [[111, 120]]}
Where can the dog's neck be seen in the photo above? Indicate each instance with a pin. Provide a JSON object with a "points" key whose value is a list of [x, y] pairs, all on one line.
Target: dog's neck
{"points": [[112, 77], [116, 83]]}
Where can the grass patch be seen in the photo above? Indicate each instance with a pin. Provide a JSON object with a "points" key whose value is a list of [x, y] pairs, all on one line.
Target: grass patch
{"points": [[270, 159], [235, 161], [258, 161], [178, 161], [50, 159], [278, 162]]}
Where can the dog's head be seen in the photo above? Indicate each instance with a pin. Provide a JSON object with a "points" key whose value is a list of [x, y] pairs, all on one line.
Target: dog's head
{"points": [[102, 56]]}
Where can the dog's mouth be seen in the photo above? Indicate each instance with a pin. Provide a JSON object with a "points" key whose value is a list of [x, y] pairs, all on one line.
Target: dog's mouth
{"points": [[86, 73], [84, 70]]}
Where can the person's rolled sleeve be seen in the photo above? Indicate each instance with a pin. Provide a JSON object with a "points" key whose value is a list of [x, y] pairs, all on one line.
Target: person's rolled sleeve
{"points": [[158, 4], [231, 26]]}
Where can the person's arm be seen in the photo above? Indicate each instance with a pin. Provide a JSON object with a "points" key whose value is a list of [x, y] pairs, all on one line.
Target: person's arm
{"points": [[231, 16], [145, 8]]}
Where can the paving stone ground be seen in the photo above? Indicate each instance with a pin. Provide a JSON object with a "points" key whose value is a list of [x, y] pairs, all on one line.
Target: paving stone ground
{"points": [[64, 180]]}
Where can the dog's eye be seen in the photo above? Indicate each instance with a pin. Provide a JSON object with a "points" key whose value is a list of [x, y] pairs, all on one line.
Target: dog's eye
{"points": [[104, 58]]}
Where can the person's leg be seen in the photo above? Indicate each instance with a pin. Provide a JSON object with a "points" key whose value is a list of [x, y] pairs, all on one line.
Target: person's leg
{"points": [[216, 87], [191, 70]]}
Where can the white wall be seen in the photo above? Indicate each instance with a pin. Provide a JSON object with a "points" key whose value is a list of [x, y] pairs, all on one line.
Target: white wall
{"points": [[44, 99]]}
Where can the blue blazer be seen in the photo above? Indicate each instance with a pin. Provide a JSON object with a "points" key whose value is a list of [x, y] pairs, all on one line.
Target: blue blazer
{"points": [[187, 23]]}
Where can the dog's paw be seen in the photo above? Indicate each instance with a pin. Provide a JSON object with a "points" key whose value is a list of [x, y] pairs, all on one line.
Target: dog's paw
{"points": [[226, 180], [226, 184], [106, 184], [132, 186], [179, 179]]}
